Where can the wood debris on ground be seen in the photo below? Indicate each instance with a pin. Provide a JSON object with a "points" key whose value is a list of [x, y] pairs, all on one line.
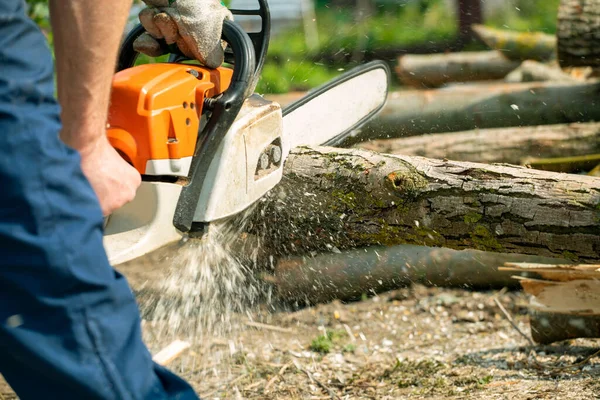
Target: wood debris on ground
{"points": [[565, 299]]}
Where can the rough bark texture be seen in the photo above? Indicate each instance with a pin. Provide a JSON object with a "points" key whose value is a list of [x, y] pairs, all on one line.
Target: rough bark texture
{"points": [[349, 275], [578, 33], [482, 106], [349, 198], [522, 46], [437, 69], [499, 145]]}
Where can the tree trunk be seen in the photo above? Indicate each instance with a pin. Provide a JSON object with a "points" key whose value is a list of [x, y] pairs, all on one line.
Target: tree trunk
{"points": [[349, 275], [437, 69], [578, 33], [469, 13], [461, 108], [350, 198], [500, 145]]}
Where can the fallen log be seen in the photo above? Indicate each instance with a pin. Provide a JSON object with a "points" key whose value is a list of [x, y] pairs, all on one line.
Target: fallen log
{"points": [[533, 71], [498, 145], [522, 46], [578, 32], [351, 274], [438, 69], [467, 107], [352, 198]]}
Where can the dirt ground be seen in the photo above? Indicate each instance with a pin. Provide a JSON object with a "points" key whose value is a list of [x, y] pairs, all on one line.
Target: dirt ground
{"points": [[412, 343]]}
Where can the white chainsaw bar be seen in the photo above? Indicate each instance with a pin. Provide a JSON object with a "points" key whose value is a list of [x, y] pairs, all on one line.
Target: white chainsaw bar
{"points": [[250, 159]]}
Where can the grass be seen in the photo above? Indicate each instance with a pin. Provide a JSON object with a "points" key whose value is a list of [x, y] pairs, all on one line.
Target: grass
{"points": [[323, 344], [431, 376]]}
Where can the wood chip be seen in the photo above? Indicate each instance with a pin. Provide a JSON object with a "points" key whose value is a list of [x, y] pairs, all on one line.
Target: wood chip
{"points": [[576, 296], [171, 352], [258, 325]]}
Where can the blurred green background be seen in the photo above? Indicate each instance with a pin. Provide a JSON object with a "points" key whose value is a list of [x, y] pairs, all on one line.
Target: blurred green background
{"points": [[392, 28]]}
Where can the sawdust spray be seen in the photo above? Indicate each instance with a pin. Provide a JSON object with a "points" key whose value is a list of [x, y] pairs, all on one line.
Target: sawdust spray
{"points": [[209, 286]]}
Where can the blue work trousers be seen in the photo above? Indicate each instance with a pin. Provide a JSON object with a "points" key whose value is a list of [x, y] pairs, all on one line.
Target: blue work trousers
{"points": [[69, 323]]}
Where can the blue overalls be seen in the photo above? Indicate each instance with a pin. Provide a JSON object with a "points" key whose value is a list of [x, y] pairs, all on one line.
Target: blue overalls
{"points": [[69, 324]]}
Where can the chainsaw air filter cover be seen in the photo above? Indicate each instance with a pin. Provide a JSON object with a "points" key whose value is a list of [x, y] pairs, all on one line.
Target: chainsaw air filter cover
{"points": [[155, 114]]}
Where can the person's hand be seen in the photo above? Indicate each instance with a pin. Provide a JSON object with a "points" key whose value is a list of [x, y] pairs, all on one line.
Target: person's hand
{"points": [[194, 25], [114, 180]]}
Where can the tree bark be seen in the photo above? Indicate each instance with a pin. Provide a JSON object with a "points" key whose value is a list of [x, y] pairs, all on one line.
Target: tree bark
{"points": [[499, 145], [578, 33], [351, 274], [470, 12], [461, 108], [438, 69], [350, 198]]}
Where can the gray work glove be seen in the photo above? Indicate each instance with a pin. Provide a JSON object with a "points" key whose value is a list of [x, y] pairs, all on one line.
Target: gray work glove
{"points": [[194, 25]]}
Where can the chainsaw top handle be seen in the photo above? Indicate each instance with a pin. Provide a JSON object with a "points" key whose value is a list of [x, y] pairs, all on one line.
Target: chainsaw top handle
{"points": [[238, 40]]}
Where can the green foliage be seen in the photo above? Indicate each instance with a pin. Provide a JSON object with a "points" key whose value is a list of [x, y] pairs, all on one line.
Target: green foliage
{"points": [[39, 12], [526, 16], [293, 75], [292, 65]]}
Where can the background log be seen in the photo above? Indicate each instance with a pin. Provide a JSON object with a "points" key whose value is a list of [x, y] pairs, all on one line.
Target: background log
{"points": [[572, 165], [521, 46], [533, 71], [376, 269], [351, 198], [437, 69], [578, 33], [499, 145], [461, 108]]}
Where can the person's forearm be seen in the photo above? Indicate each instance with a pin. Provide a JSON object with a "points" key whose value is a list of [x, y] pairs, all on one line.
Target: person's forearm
{"points": [[87, 34]]}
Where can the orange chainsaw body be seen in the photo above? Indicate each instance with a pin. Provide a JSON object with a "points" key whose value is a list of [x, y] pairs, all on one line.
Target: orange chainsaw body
{"points": [[155, 110]]}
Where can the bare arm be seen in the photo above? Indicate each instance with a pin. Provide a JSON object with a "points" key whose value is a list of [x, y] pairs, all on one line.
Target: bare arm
{"points": [[87, 34]]}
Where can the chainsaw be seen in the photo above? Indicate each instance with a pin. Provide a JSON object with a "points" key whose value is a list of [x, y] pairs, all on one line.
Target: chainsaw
{"points": [[206, 145]]}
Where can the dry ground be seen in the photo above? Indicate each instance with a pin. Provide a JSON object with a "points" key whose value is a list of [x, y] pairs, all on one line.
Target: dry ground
{"points": [[413, 343]]}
